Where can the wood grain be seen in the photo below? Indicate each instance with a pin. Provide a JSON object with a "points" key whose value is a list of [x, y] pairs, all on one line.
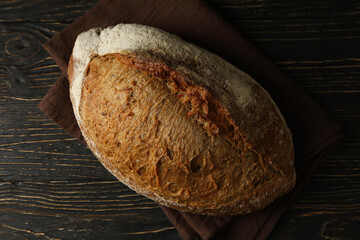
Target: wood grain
{"points": [[52, 187]]}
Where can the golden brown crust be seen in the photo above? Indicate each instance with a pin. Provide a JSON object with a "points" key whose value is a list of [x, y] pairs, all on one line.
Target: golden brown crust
{"points": [[169, 138]]}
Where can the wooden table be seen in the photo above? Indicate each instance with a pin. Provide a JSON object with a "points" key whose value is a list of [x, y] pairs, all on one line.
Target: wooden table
{"points": [[52, 187]]}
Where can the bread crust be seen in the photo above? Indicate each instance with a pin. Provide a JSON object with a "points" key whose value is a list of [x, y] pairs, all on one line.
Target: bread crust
{"points": [[215, 144]]}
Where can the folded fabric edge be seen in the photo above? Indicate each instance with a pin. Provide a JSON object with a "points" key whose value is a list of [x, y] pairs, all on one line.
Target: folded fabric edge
{"points": [[305, 175], [51, 109], [58, 59], [59, 122], [181, 225]]}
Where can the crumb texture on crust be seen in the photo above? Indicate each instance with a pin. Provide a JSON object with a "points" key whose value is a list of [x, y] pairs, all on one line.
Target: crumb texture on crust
{"points": [[179, 124]]}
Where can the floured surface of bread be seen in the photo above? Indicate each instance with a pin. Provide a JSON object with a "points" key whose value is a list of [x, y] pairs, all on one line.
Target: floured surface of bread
{"points": [[177, 123]]}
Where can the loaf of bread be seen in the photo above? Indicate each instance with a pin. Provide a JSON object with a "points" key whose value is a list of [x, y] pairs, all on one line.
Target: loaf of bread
{"points": [[177, 123]]}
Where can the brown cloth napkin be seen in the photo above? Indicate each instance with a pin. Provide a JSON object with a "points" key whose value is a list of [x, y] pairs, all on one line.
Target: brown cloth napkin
{"points": [[314, 132]]}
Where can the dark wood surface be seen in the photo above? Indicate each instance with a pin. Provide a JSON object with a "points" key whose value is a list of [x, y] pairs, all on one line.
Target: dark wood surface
{"points": [[52, 187]]}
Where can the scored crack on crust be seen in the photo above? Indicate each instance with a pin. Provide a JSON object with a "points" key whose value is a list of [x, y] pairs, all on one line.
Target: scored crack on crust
{"points": [[260, 157]]}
